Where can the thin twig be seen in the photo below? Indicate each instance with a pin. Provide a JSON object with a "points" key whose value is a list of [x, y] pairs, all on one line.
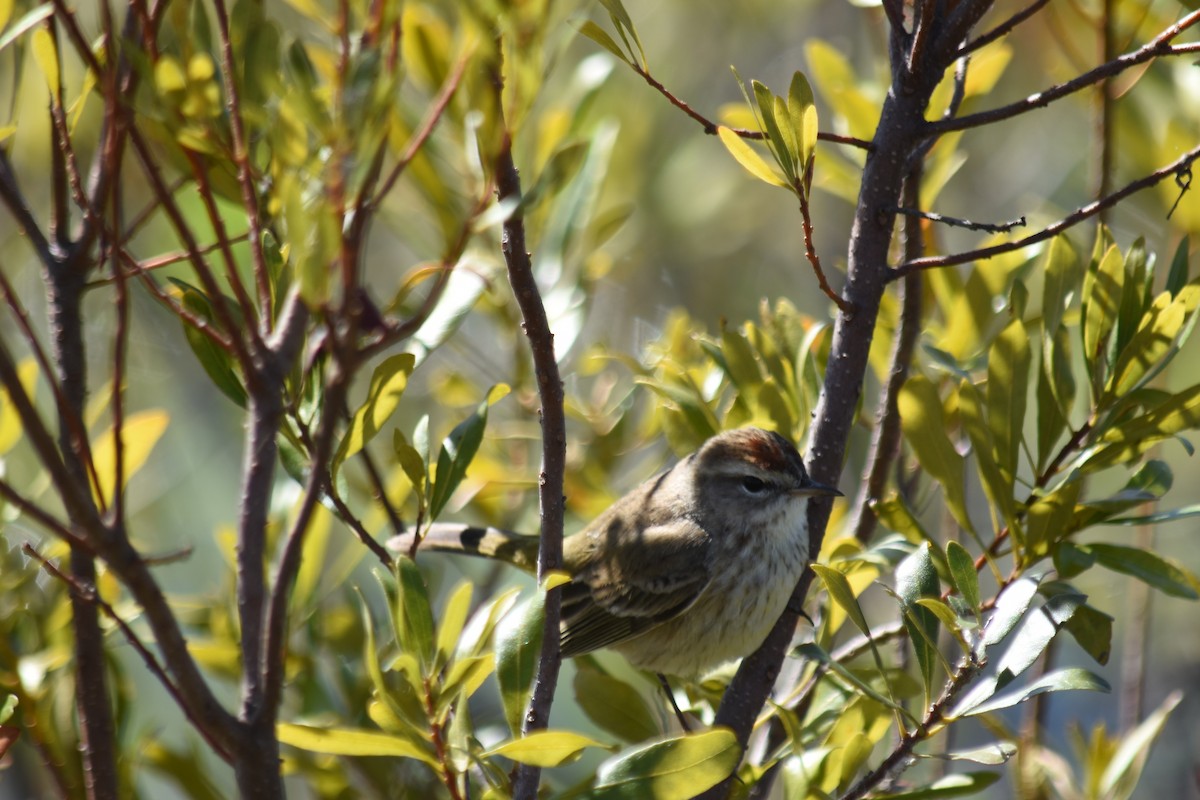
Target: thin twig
{"points": [[810, 250], [1179, 166], [554, 443], [957, 222], [432, 116], [710, 127], [1003, 29], [237, 127], [1157, 48]]}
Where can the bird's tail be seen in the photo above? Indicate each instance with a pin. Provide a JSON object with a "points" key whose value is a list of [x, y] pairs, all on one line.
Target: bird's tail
{"points": [[517, 549]]}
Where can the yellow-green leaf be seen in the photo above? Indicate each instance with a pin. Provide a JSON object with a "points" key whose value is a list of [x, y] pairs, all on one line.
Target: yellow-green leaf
{"points": [[803, 115], [546, 748], [677, 768], [10, 422], [349, 742], [840, 592], [46, 56], [924, 427], [140, 433], [748, 158], [600, 36], [1008, 380], [388, 382]]}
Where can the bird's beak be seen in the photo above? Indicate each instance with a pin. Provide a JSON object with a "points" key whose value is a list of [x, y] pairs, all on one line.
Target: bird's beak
{"points": [[817, 489]]}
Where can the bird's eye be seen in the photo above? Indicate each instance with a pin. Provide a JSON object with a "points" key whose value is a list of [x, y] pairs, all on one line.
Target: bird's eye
{"points": [[753, 485]]}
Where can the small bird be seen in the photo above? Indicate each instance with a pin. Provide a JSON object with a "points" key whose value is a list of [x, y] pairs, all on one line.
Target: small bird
{"points": [[686, 572]]}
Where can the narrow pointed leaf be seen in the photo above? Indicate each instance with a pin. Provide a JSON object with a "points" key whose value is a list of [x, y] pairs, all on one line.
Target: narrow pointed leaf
{"points": [[545, 748], [745, 155], [1071, 679], [677, 768]]}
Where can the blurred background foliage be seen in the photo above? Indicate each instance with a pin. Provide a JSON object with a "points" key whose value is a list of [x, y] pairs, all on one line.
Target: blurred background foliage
{"points": [[681, 302]]}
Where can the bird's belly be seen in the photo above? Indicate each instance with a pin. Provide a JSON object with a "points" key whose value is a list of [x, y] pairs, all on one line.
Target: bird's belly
{"points": [[729, 620]]}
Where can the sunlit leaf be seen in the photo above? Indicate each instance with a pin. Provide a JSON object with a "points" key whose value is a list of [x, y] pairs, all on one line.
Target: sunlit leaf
{"points": [[962, 570], [748, 158], [388, 382], [676, 768], [546, 748], [1124, 769], [45, 53], [140, 433], [957, 785], [916, 578], [925, 427], [518, 649], [1070, 679], [349, 742], [614, 705], [11, 428]]}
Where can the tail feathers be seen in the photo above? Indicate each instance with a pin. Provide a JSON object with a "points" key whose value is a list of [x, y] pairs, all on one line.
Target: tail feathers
{"points": [[517, 549]]}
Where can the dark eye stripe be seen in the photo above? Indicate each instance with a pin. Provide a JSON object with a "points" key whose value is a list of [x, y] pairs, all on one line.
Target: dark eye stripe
{"points": [[753, 485]]}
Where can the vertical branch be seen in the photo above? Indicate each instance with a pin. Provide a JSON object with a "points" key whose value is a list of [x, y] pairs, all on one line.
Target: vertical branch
{"points": [[900, 129], [885, 441], [554, 443]]}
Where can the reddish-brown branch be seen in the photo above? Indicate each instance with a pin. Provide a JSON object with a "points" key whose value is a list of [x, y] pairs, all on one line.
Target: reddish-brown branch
{"points": [[432, 116], [245, 172], [710, 127], [810, 251]]}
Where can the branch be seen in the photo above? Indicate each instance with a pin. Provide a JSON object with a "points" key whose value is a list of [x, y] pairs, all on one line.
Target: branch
{"points": [[1180, 168], [810, 250], [554, 444], [1003, 29], [885, 441], [966, 671], [1157, 47], [957, 222], [88, 594], [710, 127]]}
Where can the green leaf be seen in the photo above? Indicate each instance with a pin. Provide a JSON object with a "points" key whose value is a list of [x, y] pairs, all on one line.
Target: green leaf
{"points": [[916, 578], [1010, 607], [957, 785], [895, 514], [350, 742], [1055, 393], [1061, 269], [1129, 440], [454, 617], [401, 703], [1153, 570], [1092, 630], [600, 36], [518, 648], [1177, 277], [994, 754], [546, 748], [388, 382], [997, 483], [745, 155], [218, 363], [1034, 636], [1123, 770], [841, 593], [924, 427], [463, 678], [25, 23], [814, 652], [675, 768], [962, 570], [1102, 290], [1154, 339], [1008, 380], [1070, 679], [413, 616], [802, 112], [459, 449], [1047, 518], [1157, 517], [614, 705]]}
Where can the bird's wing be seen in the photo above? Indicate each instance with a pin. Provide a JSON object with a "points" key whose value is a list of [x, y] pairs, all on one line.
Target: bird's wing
{"points": [[610, 600]]}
